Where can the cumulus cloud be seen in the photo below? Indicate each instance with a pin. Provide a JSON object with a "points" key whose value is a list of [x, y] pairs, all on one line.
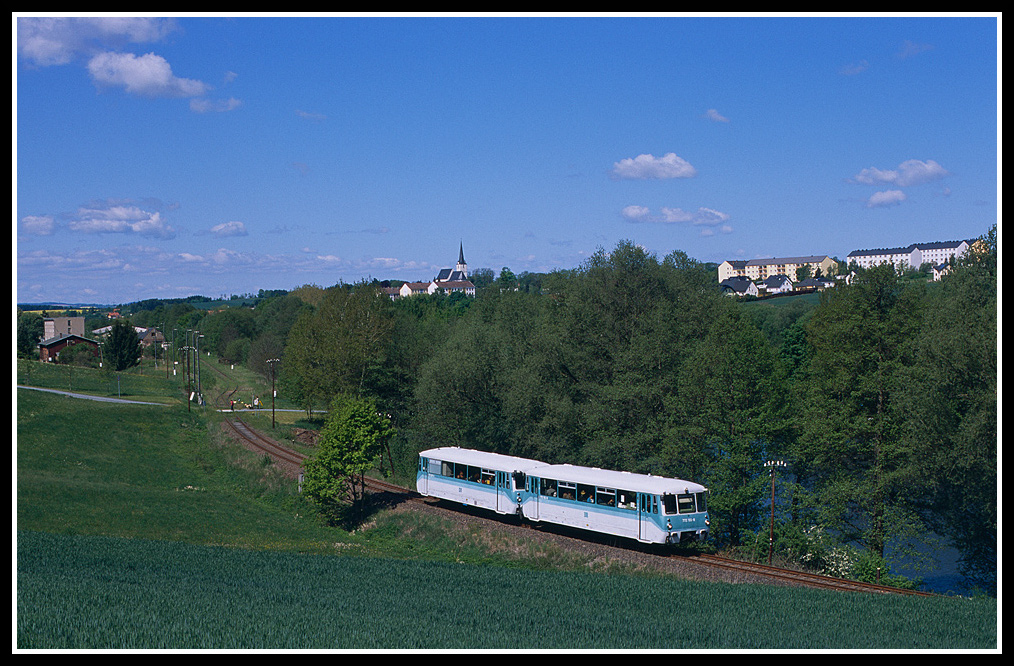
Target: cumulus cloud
{"points": [[48, 41], [121, 219], [648, 166], [226, 229], [148, 75], [635, 212], [885, 199], [102, 44], [907, 174]]}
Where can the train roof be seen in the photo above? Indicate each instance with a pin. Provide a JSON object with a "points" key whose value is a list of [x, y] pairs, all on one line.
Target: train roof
{"points": [[496, 461], [618, 480]]}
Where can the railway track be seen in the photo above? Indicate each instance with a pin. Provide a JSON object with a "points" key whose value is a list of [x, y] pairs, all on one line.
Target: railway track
{"points": [[799, 577], [280, 453], [261, 443]]}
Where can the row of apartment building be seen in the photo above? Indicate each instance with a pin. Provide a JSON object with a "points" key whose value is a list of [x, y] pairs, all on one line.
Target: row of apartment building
{"points": [[938, 254]]}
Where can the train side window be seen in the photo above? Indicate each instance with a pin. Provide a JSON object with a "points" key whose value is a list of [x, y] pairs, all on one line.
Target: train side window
{"points": [[702, 502], [605, 496], [487, 477], [626, 500], [447, 469], [548, 488], [568, 490], [474, 473], [585, 493]]}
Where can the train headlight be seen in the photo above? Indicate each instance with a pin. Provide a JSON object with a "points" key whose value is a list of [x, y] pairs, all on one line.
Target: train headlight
{"points": [[668, 524]]}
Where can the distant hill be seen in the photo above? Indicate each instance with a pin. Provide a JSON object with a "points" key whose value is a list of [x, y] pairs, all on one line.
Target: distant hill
{"points": [[62, 306]]}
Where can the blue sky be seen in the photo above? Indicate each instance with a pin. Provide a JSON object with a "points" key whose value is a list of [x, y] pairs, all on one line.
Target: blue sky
{"points": [[165, 157]]}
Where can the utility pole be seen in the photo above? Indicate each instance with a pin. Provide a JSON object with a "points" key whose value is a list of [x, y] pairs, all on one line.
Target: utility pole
{"points": [[771, 538], [271, 362]]}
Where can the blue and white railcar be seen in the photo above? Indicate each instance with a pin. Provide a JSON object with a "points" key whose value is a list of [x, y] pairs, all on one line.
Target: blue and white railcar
{"points": [[650, 509], [475, 478]]}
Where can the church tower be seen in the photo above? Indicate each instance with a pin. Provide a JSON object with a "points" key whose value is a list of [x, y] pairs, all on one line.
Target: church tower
{"points": [[461, 267]]}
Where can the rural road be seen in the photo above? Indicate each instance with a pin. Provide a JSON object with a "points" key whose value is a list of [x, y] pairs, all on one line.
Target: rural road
{"points": [[91, 397]]}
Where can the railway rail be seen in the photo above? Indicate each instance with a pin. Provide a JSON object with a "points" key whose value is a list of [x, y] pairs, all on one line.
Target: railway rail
{"points": [[779, 575], [800, 577]]}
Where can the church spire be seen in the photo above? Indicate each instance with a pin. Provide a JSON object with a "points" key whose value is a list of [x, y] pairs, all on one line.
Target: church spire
{"points": [[462, 267]]}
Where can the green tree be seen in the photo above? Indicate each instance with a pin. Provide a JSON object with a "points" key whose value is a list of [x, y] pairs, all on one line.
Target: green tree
{"points": [[31, 328], [354, 436], [861, 471], [121, 349], [730, 413], [332, 347], [949, 403]]}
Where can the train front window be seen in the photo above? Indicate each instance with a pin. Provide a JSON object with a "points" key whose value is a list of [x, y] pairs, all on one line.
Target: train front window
{"points": [[702, 502], [668, 504], [686, 503]]}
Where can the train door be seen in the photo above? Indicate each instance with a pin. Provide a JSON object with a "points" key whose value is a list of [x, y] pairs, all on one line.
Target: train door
{"points": [[504, 498], [422, 478], [645, 502]]}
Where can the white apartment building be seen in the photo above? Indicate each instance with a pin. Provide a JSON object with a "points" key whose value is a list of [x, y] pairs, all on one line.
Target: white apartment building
{"points": [[913, 256]]}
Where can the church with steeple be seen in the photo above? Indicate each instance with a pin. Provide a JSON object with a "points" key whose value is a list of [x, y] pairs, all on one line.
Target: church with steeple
{"points": [[447, 281], [460, 272]]}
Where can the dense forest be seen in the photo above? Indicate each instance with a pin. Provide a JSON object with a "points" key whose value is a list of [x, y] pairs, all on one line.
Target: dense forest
{"points": [[879, 396]]}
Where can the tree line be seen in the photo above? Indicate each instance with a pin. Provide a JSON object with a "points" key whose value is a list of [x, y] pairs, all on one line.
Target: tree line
{"points": [[880, 397]]}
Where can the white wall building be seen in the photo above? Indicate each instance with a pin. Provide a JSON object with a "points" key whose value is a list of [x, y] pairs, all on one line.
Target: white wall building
{"points": [[913, 256]]}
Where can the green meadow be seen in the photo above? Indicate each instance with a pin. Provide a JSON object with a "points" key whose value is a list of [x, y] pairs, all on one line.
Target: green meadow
{"points": [[141, 527]]}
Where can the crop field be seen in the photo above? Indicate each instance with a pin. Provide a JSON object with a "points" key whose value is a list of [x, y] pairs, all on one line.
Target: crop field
{"points": [[96, 592], [137, 530]]}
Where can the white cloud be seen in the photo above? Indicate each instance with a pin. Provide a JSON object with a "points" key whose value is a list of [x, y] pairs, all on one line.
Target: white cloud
{"points": [[646, 166], [47, 41], [713, 114], [148, 75], [214, 106], [120, 219], [886, 199], [908, 173], [705, 217], [38, 225], [854, 68], [635, 212], [910, 48], [229, 229]]}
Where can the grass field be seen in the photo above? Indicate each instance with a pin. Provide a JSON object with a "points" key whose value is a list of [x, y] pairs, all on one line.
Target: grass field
{"points": [[138, 527]]}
